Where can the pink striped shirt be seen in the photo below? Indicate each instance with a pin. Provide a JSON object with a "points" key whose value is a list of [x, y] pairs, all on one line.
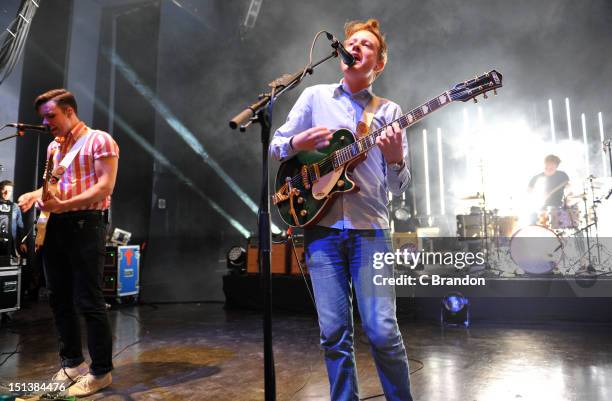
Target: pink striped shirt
{"points": [[81, 175]]}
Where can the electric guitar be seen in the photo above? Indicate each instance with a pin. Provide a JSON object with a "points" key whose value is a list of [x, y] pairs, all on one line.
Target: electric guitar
{"points": [[49, 188], [307, 183]]}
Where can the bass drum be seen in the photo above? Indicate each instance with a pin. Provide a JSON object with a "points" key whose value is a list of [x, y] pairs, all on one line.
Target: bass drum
{"points": [[536, 249]]}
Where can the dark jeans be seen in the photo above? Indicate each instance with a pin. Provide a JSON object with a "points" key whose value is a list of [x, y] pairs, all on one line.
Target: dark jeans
{"points": [[73, 256]]}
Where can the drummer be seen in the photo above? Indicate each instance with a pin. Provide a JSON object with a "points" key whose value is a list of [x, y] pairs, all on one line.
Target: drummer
{"points": [[549, 185]]}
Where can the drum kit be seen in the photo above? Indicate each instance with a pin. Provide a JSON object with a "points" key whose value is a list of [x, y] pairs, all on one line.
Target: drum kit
{"points": [[563, 240]]}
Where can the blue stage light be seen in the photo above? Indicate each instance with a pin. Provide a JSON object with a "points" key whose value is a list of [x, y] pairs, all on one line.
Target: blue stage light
{"points": [[455, 310]]}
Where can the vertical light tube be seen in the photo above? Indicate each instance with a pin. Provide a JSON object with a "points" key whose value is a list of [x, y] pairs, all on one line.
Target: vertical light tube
{"points": [[569, 119], [586, 145], [552, 121], [466, 140], [441, 174], [604, 162], [426, 168]]}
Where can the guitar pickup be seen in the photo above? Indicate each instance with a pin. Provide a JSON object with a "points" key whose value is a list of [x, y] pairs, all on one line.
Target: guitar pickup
{"points": [[310, 174]]}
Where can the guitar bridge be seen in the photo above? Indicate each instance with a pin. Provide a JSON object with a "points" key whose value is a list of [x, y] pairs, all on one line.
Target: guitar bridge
{"points": [[281, 195]]}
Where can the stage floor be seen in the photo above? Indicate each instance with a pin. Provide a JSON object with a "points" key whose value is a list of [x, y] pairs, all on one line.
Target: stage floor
{"points": [[204, 352]]}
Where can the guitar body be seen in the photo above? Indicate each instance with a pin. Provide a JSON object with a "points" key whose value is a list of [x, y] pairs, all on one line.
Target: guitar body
{"points": [[41, 230], [308, 206]]}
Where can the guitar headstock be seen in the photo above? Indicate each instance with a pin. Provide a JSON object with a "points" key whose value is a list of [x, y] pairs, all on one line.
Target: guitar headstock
{"points": [[482, 84]]}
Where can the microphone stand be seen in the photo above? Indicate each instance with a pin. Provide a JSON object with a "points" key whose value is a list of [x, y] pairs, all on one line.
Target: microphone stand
{"points": [[261, 112], [20, 132]]}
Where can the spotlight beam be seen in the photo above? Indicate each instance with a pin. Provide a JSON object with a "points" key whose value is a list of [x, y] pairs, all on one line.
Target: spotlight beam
{"points": [[164, 161], [181, 130], [552, 121], [426, 169], [586, 145], [441, 173], [569, 119], [604, 164]]}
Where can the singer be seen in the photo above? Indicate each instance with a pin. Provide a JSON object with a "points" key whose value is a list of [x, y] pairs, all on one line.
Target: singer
{"points": [[74, 246], [340, 249]]}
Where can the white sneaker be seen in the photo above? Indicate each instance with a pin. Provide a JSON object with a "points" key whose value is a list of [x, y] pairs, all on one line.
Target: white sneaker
{"points": [[69, 376], [89, 384]]}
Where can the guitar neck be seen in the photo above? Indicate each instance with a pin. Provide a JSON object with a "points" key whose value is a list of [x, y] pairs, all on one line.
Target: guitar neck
{"points": [[354, 150]]}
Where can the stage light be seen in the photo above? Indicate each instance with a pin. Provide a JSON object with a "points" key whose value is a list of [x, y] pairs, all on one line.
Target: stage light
{"points": [[252, 14], [569, 119], [604, 164], [402, 213], [552, 121], [441, 174], [466, 142], [455, 310], [586, 145], [120, 237], [236, 260], [426, 169]]}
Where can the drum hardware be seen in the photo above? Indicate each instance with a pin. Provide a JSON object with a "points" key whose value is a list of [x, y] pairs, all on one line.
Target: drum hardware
{"points": [[477, 196], [590, 267]]}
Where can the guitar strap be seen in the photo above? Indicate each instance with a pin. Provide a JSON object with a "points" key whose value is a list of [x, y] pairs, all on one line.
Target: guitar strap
{"points": [[363, 127], [67, 160]]}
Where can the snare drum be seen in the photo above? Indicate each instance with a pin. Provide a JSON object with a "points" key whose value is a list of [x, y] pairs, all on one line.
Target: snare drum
{"points": [[536, 249], [562, 217]]}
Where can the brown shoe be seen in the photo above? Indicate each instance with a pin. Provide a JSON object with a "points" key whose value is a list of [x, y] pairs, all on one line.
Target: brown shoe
{"points": [[90, 384], [69, 376]]}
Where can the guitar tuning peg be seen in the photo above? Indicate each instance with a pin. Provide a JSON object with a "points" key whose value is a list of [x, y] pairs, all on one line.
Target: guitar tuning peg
{"points": [[495, 92], [484, 95], [475, 100]]}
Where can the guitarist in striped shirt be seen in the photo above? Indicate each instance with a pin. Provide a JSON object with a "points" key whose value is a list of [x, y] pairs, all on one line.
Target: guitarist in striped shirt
{"points": [[74, 243]]}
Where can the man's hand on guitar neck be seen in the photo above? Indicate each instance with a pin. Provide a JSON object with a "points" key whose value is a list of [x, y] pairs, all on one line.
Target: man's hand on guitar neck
{"points": [[390, 144], [311, 139], [28, 199]]}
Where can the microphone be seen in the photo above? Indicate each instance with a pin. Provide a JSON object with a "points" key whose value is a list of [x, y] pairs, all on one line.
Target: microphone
{"points": [[30, 127], [347, 58]]}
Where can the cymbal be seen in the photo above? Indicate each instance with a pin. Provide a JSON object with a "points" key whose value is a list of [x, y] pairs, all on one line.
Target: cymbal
{"points": [[477, 196], [577, 196], [599, 182]]}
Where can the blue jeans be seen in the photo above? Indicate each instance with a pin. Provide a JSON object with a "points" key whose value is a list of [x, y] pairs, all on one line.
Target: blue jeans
{"points": [[338, 260]]}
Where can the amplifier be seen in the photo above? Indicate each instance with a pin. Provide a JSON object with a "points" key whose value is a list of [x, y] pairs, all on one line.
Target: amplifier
{"points": [[469, 226], [10, 290], [283, 258], [109, 275], [278, 257]]}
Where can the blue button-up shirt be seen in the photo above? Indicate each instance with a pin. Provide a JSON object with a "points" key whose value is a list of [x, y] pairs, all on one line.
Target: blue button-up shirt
{"points": [[334, 107]]}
